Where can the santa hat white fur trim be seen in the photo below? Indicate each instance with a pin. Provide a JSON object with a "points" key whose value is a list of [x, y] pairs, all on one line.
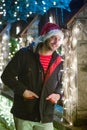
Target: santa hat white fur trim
{"points": [[53, 33], [43, 38]]}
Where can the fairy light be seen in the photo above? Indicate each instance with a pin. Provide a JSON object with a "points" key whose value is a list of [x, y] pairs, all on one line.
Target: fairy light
{"points": [[17, 30], [76, 30], [20, 40], [43, 2], [35, 2], [13, 49], [5, 111], [4, 37], [18, 19], [1, 7], [4, 5], [30, 12], [61, 119], [70, 123], [50, 19], [3, 1], [16, 2], [44, 10], [54, 3], [0, 22], [15, 14], [9, 44], [70, 73], [30, 39], [28, 15], [4, 12], [27, 5], [18, 7]]}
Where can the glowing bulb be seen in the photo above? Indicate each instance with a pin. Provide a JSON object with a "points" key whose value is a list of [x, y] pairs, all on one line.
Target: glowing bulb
{"points": [[76, 30], [3, 48], [43, 2], [51, 19], [74, 42], [44, 10], [54, 3], [15, 14], [16, 2], [9, 44], [4, 12], [27, 5], [18, 19], [5, 37], [20, 40], [0, 22], [17, 7], [30, 12], [70, 123], [30, 39], [1, 7], [4, 4], [28, 15], [35, 2], [61, 119]]}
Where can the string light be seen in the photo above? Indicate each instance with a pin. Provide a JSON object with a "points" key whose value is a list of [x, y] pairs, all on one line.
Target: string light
{"points": [[3, 1], [43, 2], [16, 2], [50, 19], [17, 30], [35, 2], [18, 19], [28, 15], [54, 3], [70, 73], [15, 14], [23, 7], [30, 12], [0, 22], [27, 5], [67, 70], [5, 111]]}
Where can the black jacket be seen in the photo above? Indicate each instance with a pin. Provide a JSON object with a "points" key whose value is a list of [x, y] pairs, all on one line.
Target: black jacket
{"points": [[23, 72]]}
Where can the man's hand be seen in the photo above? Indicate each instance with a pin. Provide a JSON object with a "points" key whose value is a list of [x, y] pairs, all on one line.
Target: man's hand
{"points": [[29, 94], [53, 98]]}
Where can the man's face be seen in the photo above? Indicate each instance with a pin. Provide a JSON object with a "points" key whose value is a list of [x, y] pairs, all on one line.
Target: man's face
{"points": [[53, 43]]}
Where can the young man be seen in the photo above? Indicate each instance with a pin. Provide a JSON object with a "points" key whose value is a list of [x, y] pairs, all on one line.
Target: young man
{"points": [[35, 77]]}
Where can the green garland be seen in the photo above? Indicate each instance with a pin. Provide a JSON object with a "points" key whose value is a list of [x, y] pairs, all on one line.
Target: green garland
{"points": [[13, 46]]}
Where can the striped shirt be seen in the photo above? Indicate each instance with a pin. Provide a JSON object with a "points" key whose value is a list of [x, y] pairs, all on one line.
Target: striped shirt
{"points": [[45, 59]]}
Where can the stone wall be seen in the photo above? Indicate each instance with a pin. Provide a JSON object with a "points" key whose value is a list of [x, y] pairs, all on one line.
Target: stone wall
{"points": [[82, 73], [75, 71]]}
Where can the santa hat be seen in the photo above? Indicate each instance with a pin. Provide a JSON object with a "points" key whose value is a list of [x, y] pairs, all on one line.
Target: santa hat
{"points": [[48, 30]]}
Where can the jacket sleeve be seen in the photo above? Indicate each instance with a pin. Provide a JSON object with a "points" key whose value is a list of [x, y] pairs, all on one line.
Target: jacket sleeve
{"points": [[59, 89], [11, 72]]}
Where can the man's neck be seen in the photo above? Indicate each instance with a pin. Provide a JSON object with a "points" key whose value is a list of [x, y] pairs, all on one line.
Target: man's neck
{"points": [[45, 51]]}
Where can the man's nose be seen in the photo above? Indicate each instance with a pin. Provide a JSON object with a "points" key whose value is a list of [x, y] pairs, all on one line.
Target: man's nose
{"points": [[56, 39]]}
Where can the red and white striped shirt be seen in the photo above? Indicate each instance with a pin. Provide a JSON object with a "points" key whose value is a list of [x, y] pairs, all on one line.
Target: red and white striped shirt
{"points": [[45, 59]]}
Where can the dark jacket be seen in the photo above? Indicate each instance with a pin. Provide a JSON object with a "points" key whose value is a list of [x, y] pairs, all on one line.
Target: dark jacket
{"points": [[23, 72]]}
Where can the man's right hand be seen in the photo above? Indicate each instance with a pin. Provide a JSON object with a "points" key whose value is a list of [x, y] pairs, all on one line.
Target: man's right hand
{"points": [[29, 94]]}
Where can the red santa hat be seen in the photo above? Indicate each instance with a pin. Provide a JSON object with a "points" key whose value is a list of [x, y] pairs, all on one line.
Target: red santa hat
{"points": [[50, 29]]}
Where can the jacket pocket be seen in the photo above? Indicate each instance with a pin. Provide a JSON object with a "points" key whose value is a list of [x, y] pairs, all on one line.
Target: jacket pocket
{"points": [[31, 105], [48, 108]]}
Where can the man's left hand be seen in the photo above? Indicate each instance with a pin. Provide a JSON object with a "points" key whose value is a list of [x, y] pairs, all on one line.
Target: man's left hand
{"points": [[53, 98]]}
